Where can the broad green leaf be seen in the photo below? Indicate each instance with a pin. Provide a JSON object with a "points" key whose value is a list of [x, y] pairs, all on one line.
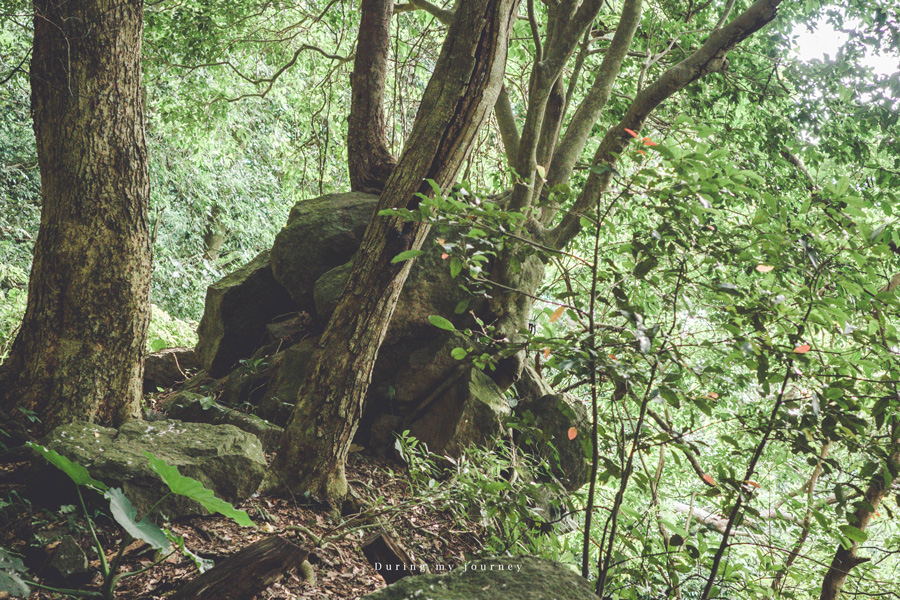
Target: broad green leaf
{"points": [[857, 535], [125, 514], [441, 323], [458, 353], [407, 255], [193, 489], [76, 472]]}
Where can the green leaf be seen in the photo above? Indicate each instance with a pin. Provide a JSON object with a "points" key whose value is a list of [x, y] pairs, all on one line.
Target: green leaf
{"points": [[10, 582], [125, 514], [441, 323], [193, 489], [76, 472], [458, 353], [857, 535], [407, 255], [455, 266]]}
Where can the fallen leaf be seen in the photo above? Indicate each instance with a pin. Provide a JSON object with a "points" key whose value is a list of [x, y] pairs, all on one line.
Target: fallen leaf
{"points": [[572, 433], [764, 268], [802, 349]]}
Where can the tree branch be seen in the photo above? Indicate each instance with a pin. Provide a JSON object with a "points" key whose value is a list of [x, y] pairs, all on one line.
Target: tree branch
{"points": [[575, 138], [506, 121], [709, 58]]}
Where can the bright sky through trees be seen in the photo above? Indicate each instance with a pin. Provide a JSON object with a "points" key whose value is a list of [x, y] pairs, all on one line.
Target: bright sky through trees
{"points": [[818, 40]]}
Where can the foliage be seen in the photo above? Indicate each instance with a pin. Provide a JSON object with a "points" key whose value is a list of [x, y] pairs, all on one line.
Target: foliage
{"points": [[125, 514], [497, 487]]}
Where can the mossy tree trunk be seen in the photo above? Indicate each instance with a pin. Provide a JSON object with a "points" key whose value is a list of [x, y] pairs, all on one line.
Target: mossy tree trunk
{"points": [[456, 102], [78, 354]]}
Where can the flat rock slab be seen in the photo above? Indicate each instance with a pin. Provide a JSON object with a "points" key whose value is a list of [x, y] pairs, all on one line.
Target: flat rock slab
{"points": [[225, 459], [509, 578]]}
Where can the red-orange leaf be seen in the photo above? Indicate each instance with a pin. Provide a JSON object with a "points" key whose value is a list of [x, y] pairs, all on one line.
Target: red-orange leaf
{"points": [[802, 349], [631, 133], [557, 314], [709, 480], [753, 483], [445, 256], [641, 152], [546, 352], [572, 433], [648, 142]]}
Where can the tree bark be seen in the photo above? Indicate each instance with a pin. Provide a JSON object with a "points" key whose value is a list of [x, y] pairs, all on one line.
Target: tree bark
{"points": [[78, 354], [846, 559], [456, 102], [369, 161]]}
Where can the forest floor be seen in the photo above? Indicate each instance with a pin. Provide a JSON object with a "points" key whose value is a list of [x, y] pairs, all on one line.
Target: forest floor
{"points": [[432, 536]]}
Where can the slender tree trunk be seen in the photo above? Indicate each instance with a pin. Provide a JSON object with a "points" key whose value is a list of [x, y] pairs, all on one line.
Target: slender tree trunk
{"points": [[78, 354], [368, 158], [458, 99], [846, 559]]}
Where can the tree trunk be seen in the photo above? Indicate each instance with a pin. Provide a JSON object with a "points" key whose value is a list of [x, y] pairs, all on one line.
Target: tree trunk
{"points": [[78, 354], [846, 559], [368, 158], [459, 97]]}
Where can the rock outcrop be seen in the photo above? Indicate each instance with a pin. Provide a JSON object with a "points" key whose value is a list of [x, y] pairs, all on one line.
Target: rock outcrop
{"points": [[510, 578], [228, 461]]}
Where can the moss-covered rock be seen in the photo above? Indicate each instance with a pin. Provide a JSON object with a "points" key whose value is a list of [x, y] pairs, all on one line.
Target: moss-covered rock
{"points": [[509, 578], [223, 458], [238, 308], [321, 234]]}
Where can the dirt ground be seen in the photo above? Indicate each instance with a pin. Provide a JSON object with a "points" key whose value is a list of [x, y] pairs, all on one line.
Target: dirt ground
{"points": [[431, 535]]}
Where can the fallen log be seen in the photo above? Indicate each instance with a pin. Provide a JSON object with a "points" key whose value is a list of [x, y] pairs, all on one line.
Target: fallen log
{"points": [[246, 573]]}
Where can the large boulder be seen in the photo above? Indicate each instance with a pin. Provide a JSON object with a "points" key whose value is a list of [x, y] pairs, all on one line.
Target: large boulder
{"points": [[167, 367], [223, 458], [196, 408], [238, 308], [270, 383], [468, 410], [554, 415], [510, 578], [321, 234]]}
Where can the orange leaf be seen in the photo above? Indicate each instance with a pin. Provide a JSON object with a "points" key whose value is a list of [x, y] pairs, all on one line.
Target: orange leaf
{"points": [[709, 480], [648, 142], [557, 314], [754, 484], [441, 241], [802, 349], [445, 256], [631, 133], [613, 356], [546, 352], [713, 395], [764, 268], [641, 152], [572, 433]]}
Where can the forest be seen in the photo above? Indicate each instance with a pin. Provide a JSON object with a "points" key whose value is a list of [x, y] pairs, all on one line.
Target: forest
{"points": [[469, 299]]}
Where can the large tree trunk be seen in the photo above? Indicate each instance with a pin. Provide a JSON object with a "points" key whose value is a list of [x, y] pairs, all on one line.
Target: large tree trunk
{"points": [[459, 97], [78, 354], [368, 158]]}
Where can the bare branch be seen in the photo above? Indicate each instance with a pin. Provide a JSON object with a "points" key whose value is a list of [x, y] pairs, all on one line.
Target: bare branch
{"points": [[506, 121], [709, 58], [575, 138]]}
